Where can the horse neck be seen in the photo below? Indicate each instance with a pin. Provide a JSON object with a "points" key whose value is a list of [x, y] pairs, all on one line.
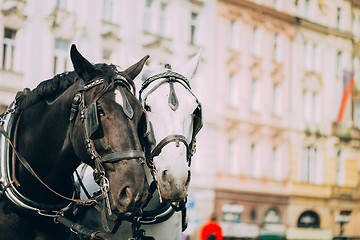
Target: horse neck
{"points": [[43, 140]]}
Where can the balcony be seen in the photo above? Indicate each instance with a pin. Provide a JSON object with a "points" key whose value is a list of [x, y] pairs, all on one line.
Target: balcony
{"points": [[63, 24], [345, 132]]}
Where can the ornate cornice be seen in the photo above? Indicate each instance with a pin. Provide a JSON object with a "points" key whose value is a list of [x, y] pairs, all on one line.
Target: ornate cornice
{"points": [[13, 18], [63, 24]]}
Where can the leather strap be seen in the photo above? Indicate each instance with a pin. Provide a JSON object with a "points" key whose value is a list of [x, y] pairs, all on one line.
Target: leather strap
{"points": [[171, 138], [126, 155]]}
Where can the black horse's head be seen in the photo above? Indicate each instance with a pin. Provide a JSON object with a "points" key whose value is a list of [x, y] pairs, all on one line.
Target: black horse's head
{"points": [[109, 120]]}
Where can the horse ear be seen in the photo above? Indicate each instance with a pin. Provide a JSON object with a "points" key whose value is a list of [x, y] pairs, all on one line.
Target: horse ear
{"points": [[189, 69], [135, 69], [83, 68]]}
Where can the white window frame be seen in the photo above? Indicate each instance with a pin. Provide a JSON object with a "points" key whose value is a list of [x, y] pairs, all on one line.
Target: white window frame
{"points": [[231, 166], [357, 114], [276, 50], [232, 91], [276, 103], [276, 164], [310, 165], [194, 16], [148, 15], [340, 169], [254, 165], [256, 46], [61, 4], [107, 14], [61, 56], [9, 47], [255, 95], [162, 26]]}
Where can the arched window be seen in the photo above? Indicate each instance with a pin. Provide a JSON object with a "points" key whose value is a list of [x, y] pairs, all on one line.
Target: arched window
{"points": [[272, 215], [309, 219]]}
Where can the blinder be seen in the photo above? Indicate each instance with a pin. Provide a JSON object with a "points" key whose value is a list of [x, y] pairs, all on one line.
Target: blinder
{"points": [[197, 120], [92, 120]]}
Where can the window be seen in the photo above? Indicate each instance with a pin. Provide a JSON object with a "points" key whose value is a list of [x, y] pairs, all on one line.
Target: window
{"points": [[61, 4], [231, 163], [254, 162], [313, 57], [338, 18], [61, 56], [231, 90], [357, 114], [340, 169], [338, 64], [315, 108], [255, 42], [308, 219], [276, 103], [148, 15], [232, 34], [193, 27], [162, 19], [275, 164], [307, 9], [311, 107], [255, 95], [277, 4], [309, 165], [107, 10], [276, 47], [305, 55], [8, 49], [106, 54], [272, 216], [253, 214]]}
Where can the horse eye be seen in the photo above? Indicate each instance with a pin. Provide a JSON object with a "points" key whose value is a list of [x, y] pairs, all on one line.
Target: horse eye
{"points": [[101, 111], [147, 108]]}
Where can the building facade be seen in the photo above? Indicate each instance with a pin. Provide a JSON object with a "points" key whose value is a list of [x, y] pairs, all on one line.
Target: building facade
{"points": [[36, 36], [274, 160], [291, 167]]}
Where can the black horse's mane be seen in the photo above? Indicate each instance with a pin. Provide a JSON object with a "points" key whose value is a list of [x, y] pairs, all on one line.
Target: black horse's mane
{"points": [[45, 90], [52, 88]]}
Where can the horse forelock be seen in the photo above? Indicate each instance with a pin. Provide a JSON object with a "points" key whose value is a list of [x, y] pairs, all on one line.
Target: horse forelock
{"points": [[110, 71]]}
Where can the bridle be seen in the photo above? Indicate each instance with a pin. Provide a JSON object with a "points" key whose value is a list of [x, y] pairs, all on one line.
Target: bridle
{"points": [[89, 118], [171, 77], [152, 150]]}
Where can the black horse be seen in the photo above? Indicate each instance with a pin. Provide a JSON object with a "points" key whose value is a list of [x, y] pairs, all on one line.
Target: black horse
{"points": [[90, 115]]}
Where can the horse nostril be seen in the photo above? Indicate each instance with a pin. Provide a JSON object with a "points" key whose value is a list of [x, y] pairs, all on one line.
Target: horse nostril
{"points": [[125, 196]]}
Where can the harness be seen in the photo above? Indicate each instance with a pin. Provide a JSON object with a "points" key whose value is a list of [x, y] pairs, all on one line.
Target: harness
{"points": [[88, 116], [171, 77], [153, 149], [166, 210]]}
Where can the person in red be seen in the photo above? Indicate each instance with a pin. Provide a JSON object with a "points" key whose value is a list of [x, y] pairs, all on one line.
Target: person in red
{"points": [[211, 230]]}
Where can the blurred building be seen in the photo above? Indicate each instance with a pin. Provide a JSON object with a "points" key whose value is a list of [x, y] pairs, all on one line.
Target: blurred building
{"points": [[290, 161], [275, 159]]}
